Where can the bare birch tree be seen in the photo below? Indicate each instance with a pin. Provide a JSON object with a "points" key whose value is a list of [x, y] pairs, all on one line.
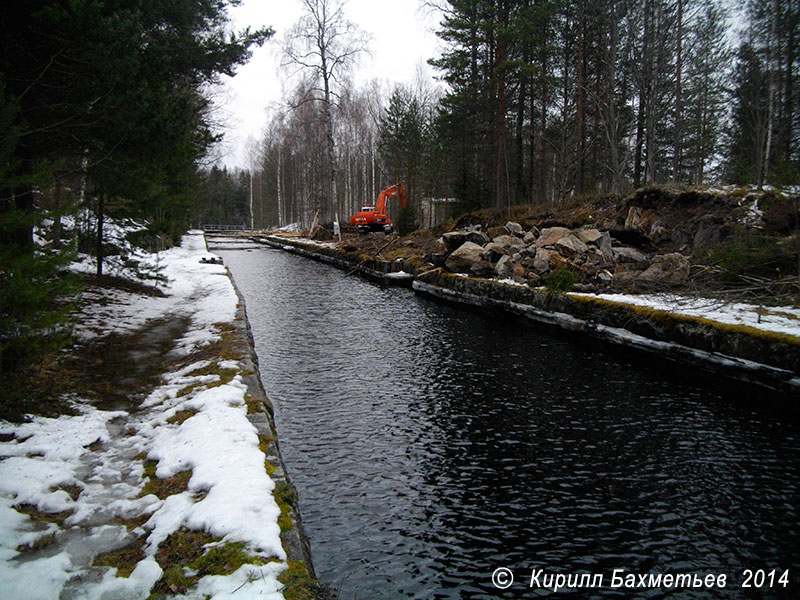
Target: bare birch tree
{"points": [[325, 44]]}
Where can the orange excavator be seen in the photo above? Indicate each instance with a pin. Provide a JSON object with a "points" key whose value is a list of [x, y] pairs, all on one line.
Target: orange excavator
{"points": [[374, 218]]}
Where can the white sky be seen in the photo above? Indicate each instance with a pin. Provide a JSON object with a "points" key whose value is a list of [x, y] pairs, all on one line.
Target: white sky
{"points": [[403, 36]]}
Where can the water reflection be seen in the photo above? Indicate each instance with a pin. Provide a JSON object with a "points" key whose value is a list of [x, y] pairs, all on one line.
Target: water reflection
{"points": [[430, 445]]}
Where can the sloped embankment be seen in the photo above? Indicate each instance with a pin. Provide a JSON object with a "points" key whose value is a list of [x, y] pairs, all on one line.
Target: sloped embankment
{"points": [[767, 359]]}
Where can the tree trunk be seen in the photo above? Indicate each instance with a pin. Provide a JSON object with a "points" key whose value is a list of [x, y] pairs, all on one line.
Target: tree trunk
{"points": [[580, 102], [99, 241], [676, 158]]}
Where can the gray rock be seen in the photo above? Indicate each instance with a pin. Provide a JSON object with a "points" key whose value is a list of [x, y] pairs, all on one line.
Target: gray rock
{"points": [[625, 274], [541, 263], [515, 229], [659, 232], [605, 247], [707, 235], [509, 243], [672, 268], [551, 235], [496, 231], [589, 236], [534, 279], [529, 237], [629, 255], [504, 267], [454, 239], [634, 217], [477, 237], [440, 245], [492, 252], [570, 246], [523, 253], [482, 268], [462, 259]]}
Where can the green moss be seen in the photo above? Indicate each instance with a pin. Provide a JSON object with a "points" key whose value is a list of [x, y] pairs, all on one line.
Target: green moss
{"points": [[186, 556], [124, 560], [269, 468], [181, 416], [286, 497], [39, 543], [39, 516], [298, 583], [254, 405], [163, 487], [672, 319]]}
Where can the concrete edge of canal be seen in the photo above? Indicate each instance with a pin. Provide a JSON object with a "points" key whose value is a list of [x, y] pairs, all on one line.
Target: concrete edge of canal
{"points": [[261, 415], [763, 361]]}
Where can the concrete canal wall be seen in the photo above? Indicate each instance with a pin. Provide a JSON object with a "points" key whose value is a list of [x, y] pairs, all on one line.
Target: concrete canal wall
{"points": [[767, 360]]}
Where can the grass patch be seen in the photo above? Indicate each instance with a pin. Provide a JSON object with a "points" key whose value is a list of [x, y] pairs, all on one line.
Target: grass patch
{"points": [[38, 544], [186, 556], [298, 584], [124, 560], [254, 405], [181, 416], [134, 522], [286, 497], [163, 487], [225, 376], [43, 517], [74, 491]]}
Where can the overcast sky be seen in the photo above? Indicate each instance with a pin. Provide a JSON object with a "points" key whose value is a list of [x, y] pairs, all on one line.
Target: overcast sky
{"points": [[403, 36]]}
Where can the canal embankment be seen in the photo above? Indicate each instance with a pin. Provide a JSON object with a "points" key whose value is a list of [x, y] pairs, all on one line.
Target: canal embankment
{"points": [[738, 351], [161, 472]]}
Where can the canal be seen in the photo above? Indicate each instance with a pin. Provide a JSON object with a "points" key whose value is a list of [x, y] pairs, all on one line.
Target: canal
{"points": [[431, 446]]}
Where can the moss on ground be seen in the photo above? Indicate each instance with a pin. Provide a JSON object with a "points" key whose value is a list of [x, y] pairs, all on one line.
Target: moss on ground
{"points": [[181, 416], [125, 559], [186, 556], [299, 584], [39, 543], [39, 516], [162, 488], [286, 497]]}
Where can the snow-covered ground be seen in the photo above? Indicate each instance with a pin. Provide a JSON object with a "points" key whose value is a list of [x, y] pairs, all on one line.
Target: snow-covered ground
{"points": [[778, 319], [92, 465]]}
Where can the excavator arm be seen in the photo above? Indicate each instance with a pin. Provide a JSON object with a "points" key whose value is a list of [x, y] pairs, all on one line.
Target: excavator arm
{"points": [[398, 189]]}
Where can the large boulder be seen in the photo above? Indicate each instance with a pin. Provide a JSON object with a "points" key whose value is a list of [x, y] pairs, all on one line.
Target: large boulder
{"points": [[493, 252], [570, 246], [504, 267], [671, 269], [604, 244], [477, 237], [509, 243], [462, 259], [515, 229], [529, 237], [454, 239], [541, 263], [496, 231], [631, 256], [589, 236], [551, 235], [482, 268]]}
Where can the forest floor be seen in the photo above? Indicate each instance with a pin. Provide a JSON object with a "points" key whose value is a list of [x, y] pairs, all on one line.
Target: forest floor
{"points": [[155, 482]]}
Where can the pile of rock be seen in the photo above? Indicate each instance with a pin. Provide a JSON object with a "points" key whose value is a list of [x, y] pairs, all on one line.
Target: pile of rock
{"points": [[594, 256]]}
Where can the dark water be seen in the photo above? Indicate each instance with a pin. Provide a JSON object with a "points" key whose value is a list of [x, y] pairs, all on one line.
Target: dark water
{"points": [[431, 445]]}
